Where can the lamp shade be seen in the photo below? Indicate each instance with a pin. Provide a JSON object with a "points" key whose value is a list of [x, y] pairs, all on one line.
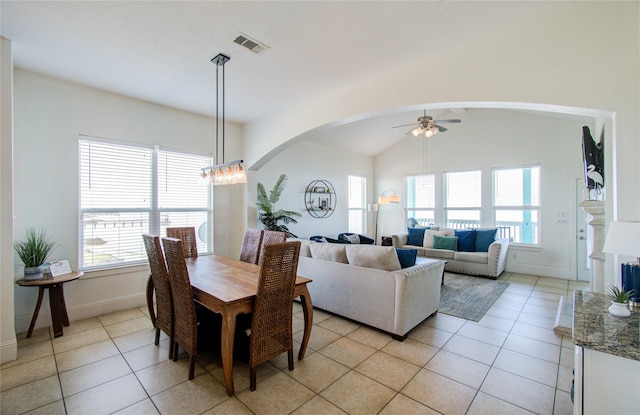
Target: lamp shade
{"points": [[372, 207], [623, 238]]}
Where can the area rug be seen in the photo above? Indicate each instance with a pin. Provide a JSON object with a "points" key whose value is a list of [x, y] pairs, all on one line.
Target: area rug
{"points": [[469, 297]]}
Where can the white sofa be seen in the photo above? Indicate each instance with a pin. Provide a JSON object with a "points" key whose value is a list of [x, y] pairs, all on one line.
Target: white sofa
{"points": [[372, 289], [488, 264]]}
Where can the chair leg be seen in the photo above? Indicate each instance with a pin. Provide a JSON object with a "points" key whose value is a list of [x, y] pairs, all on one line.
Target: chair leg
{"points": [[170, 348], [156, 341], [175, 351], [290, 355], [192, 366], [252, 375]]}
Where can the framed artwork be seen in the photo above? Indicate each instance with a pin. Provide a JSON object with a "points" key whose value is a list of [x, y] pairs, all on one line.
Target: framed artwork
{"points": [[323, 203]]}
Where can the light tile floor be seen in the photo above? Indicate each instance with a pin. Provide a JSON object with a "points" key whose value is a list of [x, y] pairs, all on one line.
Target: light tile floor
{"points": [[511, 362]]}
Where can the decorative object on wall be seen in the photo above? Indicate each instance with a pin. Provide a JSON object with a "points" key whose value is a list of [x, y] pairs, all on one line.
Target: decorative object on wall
{"points": [[623, 238], [593, 159], [33, 251], [427, 125], [231, 172], [320, 199], [267, 213]]}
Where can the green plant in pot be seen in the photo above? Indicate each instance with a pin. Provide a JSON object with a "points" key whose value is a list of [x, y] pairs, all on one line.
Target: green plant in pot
{"points": [[267, 212], [34, 251], [619, 299]]}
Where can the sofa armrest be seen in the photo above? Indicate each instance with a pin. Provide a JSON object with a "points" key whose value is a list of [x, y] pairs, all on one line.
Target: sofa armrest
{"points": [[400, 239], [497, 260]]}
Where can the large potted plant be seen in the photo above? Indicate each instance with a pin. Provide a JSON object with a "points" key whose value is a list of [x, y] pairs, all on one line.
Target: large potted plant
{"points": [[267, 212], [34, 251]]}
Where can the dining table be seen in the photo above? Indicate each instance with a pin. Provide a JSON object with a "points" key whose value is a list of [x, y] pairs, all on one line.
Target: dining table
{"points": [[228, 287]]}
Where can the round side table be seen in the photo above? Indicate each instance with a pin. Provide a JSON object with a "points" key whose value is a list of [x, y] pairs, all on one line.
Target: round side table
{"points": [[59, 316]]}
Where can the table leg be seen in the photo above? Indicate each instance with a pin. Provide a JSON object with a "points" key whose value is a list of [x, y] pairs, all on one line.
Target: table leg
{"points": [[56, 304], [36, 311], [226, 346], [65, 316], [307, 310]]}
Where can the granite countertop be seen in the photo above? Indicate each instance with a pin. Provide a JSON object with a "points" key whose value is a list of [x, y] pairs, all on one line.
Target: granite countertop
{"points": [[594, 328]]}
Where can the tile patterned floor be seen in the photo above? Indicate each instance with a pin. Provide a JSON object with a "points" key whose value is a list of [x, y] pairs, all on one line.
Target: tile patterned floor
{"points": [[510, 362]]}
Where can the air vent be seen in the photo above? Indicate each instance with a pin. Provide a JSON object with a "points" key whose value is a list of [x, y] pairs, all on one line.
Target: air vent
{"points": [[249, 43]]}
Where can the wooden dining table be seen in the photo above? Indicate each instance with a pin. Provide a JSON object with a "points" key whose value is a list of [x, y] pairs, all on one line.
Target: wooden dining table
{"points": [[228, 287]]}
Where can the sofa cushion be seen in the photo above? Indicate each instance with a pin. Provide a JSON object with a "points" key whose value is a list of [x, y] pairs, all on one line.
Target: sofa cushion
{"points": [[329, 252], [427, 242], [353, 238], [466, 240], [445, 242], [484, 238], [304, 246], [378, 257], [475, 257], [415, 236], [407, 257], [438, 253]]}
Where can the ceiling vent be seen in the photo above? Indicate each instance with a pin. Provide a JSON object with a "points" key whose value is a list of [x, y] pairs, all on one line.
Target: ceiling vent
{"points": [[249, 43]]}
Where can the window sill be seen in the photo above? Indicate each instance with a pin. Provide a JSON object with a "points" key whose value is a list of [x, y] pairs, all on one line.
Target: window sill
{"points": [[109, 272]]}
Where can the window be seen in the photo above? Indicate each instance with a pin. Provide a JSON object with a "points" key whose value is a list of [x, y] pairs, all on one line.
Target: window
{"points": [[128, 190], [516, 203], [463, 199], [357, 204], [420, 200]]}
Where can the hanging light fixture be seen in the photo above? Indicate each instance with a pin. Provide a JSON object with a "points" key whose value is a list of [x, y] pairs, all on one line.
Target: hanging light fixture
{"points": [[223, 173]]}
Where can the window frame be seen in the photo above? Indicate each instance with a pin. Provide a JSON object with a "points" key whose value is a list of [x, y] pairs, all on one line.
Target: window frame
{"points": [[362, 210], [408, 198], [465, 224]]}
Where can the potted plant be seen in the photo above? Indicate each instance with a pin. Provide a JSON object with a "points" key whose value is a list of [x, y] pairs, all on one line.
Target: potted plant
{"points": [[267, 213], [619, 299], [34, 251]]}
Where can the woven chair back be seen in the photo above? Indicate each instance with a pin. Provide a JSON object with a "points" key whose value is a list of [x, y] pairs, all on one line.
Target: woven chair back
{"points": [[185, 330], [188, 237], [271, 331], [162, 286], [251, 245], [271, 237]]}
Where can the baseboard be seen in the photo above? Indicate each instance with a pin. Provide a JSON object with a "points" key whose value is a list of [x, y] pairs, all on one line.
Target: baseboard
{"points": [[538, 270], [84, 311], [8, 350]]}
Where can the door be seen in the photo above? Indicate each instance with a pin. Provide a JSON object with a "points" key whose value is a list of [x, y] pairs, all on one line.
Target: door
{"points": [[583, 231]]}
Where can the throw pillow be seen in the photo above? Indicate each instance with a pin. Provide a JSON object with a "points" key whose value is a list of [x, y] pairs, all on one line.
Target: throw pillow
{"points": [[377, 257], [484, 238], [466, 240], [445, 242], [329, 252], [427, 242], [353, 238], [416, 236], [407, 257]]}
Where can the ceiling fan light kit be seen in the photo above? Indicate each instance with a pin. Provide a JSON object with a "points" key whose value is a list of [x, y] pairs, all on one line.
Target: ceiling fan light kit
{"points": [[428, 126]]}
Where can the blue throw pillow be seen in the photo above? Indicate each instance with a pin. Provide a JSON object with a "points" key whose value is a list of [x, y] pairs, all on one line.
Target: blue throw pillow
{"points": [[466, 240], [484, 238], [445, 242], [416, 236], [407, 257]]}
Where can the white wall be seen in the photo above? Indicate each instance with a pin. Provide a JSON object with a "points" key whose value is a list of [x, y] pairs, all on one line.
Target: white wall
{"points": [[489, 138], [308, 161], [49, 115]]}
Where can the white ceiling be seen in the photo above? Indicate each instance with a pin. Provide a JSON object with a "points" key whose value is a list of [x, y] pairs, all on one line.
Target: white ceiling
{"points": [[160, 51]]}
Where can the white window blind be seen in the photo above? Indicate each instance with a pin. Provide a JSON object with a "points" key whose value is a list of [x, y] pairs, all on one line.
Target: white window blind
{"points": [[357, 204], [129, 190], [463, 199], [420, 200], [516, 203]]}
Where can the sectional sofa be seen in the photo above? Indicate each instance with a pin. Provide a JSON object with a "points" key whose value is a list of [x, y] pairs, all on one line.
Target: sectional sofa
{"points": [[469, 251], [367, 283]]}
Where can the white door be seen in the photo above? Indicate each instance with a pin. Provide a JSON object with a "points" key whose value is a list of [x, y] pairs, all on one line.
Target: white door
{"points": [[583, 231]]}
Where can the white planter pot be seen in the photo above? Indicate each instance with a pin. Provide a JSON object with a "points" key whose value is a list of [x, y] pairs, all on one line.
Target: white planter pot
{"points": [[619, 309]]}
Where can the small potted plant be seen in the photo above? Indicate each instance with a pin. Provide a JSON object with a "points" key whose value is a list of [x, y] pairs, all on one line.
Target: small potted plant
{"points": [[619, 299], [33, 252]]}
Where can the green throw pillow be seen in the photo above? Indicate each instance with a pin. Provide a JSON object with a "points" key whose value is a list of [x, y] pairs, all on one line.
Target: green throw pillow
{"points": [[445, 242]]}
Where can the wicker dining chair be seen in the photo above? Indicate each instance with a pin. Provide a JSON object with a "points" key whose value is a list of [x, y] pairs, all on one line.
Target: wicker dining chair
{"points": [[185, 322], [251, 245], [271, 237], [271, 327], [188, 236], [159, 280]]}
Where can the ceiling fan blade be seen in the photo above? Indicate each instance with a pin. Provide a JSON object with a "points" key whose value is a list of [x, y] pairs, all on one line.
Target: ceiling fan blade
{"points": [[441, 128], [406, 125], [456, 121]]}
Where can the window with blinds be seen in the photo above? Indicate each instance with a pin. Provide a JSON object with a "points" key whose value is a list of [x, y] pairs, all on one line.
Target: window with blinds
{"points": [[463, 199], [420, 200], [129, 190], [357, 203], [516, 202]]}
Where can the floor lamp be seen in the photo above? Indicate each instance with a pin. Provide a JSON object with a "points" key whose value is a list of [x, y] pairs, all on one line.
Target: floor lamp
{"points": [[623, 238], [373, 207]]}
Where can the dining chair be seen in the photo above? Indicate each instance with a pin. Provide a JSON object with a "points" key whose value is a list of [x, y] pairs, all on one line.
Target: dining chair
{"points": [[162, 316], [251, 245], [271, 237], [271, 327], [185, 322], [188, 236]]}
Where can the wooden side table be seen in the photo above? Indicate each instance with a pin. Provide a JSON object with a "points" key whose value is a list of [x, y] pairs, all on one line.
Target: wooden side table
{"points": [[59, 316]]}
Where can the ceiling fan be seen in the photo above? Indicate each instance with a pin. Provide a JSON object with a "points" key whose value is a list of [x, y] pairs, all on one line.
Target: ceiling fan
{"points": [[427, 125]]}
